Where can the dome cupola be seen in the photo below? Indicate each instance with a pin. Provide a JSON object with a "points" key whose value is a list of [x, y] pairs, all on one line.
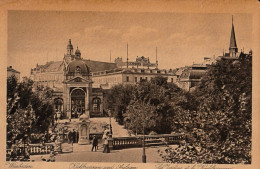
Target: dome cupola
{"points": [[77, 53], [78, 67]]}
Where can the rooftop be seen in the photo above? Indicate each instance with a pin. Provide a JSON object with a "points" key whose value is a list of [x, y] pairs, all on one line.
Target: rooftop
{"points": [[10, 68]]}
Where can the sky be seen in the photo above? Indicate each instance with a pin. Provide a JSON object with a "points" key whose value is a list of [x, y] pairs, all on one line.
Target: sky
{"points": [[181, 38]]}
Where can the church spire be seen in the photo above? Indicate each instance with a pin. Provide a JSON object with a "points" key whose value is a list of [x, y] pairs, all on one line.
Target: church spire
{"points": [[127, 55], [233, 45], [156, 59]]}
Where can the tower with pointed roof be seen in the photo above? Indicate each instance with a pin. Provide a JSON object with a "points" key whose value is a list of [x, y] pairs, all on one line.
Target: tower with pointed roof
{"points": [[69, 48], [156, 59], [233, 45]]}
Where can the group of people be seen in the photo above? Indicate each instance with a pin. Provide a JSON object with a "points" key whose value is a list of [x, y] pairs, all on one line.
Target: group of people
{"points": [[73, 136], [105, 144], [75, 114], [45, 138]]}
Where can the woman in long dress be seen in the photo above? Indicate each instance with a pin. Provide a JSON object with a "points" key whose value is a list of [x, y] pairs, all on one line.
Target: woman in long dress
{"points": [[106, 147]]}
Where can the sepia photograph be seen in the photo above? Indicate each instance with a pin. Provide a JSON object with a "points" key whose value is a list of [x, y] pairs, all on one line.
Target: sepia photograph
{"points": [[99, 86]]}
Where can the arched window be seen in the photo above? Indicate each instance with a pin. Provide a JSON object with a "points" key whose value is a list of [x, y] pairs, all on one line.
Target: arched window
{"points": [[96, 105], [78, 70], [58, 104]]}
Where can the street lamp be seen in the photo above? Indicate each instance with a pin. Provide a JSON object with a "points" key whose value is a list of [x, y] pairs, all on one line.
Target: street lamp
{"points": [[109, 113], [143, 156], [24, 139]]}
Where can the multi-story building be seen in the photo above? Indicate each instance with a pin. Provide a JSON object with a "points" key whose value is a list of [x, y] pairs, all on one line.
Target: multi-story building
{"points": [[79, 84], [140, 70], [71, 80], [191, 75], [13, 72]]}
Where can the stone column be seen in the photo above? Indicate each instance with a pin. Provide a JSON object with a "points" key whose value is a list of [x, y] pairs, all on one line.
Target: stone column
{"points": [[90, 97], [87, 100], [102, 105], [110, 142], [66, 99]]}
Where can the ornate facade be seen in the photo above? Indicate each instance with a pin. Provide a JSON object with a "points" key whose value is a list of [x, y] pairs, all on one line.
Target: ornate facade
{"points": [[71, 80], [79, 84]]}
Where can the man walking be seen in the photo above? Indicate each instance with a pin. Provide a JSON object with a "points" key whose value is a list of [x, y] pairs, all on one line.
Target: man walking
{"points": [[70, 137], [94, 143], [74, 134]]}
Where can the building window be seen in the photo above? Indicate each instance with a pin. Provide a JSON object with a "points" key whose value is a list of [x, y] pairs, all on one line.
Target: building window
{"points": [[78, 70], [141, 78], [172, 80], [96, 105], [58, 105], [135, 79], [146, 78], [142, 71], [127, 78]]}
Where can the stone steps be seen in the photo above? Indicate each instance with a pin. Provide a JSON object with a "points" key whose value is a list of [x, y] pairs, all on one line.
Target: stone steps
{"points": [[118, 130]]}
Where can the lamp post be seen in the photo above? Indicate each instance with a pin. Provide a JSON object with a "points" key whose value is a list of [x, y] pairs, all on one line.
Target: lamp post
{"points": [[24, 139], [109, 113], [144, 155]]}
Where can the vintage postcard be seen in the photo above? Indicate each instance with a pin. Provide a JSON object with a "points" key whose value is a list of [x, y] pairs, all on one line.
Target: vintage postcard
{"points": [[130, 84]]}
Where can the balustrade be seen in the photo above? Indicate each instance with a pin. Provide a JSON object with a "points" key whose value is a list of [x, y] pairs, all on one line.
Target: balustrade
{"points": [[136, 141], [41, 149], [34, 149]]}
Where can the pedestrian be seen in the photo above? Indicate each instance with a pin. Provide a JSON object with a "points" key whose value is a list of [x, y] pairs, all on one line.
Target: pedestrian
{"points": [[56, 117], [43, 141], [46, 137], [106, 147], [70, 137], [94, 143], [74, 135]]}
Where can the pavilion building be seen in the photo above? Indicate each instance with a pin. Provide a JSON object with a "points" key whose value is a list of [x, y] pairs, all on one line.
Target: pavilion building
{"points": [[79, 85]]}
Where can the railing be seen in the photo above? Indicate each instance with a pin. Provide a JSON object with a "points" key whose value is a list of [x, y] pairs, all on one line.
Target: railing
{"points": [[41, 149], [116, 143], [126, 142], [136, 141], [34, 149]]}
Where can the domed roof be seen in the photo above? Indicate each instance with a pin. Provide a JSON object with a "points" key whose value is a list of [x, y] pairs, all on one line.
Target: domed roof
{"points": [[77, 51], [78, 66]]}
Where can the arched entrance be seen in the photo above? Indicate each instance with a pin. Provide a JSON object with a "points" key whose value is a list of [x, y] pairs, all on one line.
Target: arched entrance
{"points": [[77, 102]]}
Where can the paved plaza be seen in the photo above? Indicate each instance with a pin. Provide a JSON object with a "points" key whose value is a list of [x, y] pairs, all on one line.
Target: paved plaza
{"points": [[82, 153]]}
